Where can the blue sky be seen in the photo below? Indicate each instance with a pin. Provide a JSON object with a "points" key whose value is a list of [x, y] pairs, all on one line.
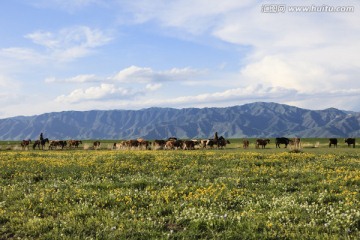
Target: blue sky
{"points": [[58, 55]]}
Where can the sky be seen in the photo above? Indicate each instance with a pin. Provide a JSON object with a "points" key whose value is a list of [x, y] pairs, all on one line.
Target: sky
{"points": [[61, 55]]}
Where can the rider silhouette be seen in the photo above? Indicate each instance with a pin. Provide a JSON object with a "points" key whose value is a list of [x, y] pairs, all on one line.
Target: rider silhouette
{"points": [[41, 137]]}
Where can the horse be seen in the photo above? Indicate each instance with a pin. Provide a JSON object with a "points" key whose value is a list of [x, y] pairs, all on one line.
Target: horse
{"points": [[282, 140], [41, 143], [25, 144], [74, 143], [261, 142]]}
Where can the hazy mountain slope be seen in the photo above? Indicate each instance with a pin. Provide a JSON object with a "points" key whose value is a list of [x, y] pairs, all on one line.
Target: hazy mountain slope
{"points": [[249, 120]]}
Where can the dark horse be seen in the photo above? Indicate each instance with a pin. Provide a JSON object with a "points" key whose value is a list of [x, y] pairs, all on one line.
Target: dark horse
{"points": [[41, 143], [282, 140], [25, 144]]}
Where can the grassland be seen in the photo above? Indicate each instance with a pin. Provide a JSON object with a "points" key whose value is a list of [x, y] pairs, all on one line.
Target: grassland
{"points": [[207, 194]]}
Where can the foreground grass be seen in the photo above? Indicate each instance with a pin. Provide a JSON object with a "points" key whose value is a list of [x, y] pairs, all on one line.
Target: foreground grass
{"points": [[179, 194]]}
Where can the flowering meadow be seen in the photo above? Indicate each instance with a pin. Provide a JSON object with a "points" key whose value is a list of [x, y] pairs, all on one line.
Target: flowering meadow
{"points": [[213, 194]]}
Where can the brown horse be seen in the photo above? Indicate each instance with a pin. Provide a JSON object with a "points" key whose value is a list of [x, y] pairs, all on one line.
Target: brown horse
{"points": [[25, 144], [74, 143], [262, 142], [41, 143]]}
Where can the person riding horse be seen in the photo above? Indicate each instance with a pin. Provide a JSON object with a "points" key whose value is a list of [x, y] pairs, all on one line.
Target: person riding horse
{"points": [[41, 142]]}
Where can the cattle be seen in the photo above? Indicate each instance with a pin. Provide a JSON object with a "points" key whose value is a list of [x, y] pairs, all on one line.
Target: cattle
{"points": [[262, 142], [222, 142], [144, 144], [178, 144], [188, 145], [350, 141], [74, 143], [210, 143], [174, 144], [297, 143], [96, 145], [57, 143], [159, 144], [282, 140], [25, 144], [203, 143], [333, 141], [170, 144], [131, 144], [120, 145], [246, 143]]}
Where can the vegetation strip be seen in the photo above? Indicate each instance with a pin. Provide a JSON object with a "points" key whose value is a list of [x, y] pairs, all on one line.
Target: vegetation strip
{"points": [[179, 194]]}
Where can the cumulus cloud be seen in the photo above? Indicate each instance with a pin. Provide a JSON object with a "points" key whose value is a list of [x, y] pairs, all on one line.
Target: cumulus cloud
{"points": [[102, 92], [141, 79], [146, 75]]}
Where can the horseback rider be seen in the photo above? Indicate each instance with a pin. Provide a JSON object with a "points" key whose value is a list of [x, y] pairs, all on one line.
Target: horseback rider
{"points": [[216, 139], [41, 137]]}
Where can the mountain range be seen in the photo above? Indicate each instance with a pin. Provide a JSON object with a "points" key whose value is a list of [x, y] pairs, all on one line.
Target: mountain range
{"points": [[257, 119]]}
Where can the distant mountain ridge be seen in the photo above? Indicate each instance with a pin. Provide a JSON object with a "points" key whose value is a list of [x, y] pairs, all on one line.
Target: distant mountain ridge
{"points": [[250, 120]]}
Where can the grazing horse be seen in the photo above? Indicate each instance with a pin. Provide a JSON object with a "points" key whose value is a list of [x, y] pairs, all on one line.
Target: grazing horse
{"points": [[25, 144], [41, 143], [74, 143], [282, 140], [262, 142], [57, 143]]}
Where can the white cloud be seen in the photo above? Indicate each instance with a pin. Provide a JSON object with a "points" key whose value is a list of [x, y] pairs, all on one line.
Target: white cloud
{"points": [[84, 78], [100, 93], [301, 51], [142, 79], [192, 16], [153, 86], [70, 43], [146, 75], [65, 45], [7, 83], [23, 54]]}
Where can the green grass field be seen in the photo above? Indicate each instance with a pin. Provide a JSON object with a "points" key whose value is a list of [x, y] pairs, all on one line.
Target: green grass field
{"points": [[201, 194]]}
